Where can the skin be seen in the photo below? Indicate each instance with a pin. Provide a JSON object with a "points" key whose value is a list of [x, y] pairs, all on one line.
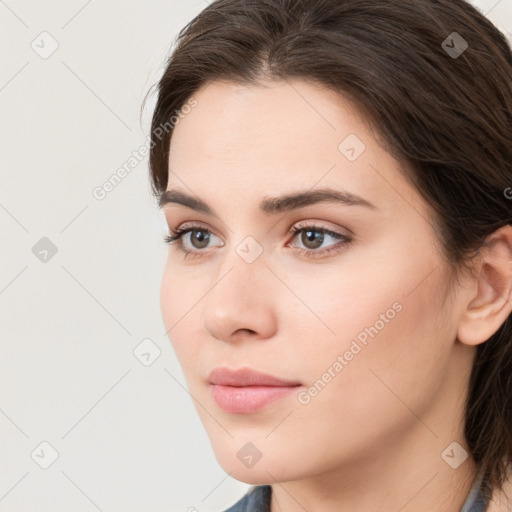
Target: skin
{"points": [[372, 438]]}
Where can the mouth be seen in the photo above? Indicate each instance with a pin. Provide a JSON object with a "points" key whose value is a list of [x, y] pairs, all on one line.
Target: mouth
{"points": [[246, 376], [245, 390], [248, 399]]}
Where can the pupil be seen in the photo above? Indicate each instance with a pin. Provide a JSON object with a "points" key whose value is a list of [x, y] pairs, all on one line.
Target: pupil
{"points": [[200, 237], [313, 238]]}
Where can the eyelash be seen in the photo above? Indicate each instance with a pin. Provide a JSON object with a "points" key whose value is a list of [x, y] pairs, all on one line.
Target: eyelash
{"points": [[176, 236]]}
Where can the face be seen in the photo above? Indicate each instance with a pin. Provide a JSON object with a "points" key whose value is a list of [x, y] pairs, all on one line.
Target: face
{"points": [[350, 306]]}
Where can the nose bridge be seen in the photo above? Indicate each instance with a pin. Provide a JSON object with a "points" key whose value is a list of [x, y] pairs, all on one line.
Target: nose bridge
{"points": [[242, 271], [239, 298]]}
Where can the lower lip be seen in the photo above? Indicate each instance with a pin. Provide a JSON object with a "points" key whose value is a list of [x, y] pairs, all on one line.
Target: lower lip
{"points": [[245, 400]]}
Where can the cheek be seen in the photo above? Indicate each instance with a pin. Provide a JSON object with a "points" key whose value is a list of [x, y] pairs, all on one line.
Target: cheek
{"points": [[177, 300], [394, 341], [181, 290]]}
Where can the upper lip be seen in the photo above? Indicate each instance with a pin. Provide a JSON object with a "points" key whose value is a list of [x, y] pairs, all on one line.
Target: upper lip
{"points": [[246, 377]]}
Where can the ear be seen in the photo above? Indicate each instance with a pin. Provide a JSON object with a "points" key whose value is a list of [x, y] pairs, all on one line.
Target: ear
{"points": [[489, 307]]}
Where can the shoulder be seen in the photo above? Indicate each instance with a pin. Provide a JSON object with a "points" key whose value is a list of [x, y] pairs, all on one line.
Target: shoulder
{"points": [[257, 499], [502, 501]]}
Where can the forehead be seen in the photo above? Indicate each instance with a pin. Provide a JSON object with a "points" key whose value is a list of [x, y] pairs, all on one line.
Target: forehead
{"points": [[290, 118], [281, 136]]}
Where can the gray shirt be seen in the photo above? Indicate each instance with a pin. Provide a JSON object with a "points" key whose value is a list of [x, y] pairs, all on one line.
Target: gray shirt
{"points": [[257, 499]]}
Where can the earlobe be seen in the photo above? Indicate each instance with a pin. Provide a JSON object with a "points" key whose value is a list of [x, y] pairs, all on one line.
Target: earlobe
{"points": [[491, 304]]}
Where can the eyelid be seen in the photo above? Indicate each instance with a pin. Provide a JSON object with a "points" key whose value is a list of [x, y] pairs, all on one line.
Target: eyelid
{"points": [[313, 223], [343, 240], [321, 225], [195, 225]]}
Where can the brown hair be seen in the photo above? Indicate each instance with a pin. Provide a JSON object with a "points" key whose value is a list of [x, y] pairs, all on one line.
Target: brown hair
{"points": [[447, 117]]}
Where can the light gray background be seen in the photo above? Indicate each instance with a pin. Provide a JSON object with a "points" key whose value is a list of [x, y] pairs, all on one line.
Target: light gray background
{"points": [[127, 435]]}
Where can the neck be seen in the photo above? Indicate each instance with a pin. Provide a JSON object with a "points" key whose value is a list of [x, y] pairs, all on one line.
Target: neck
{"points": [[397, 481]]}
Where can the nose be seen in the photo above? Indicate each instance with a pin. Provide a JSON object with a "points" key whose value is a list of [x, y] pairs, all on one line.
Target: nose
{"points": [[241, 302]]}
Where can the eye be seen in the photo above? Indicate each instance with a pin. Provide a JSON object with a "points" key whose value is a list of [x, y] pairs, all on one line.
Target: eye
{"points": [[312, 238], [200, 236]]}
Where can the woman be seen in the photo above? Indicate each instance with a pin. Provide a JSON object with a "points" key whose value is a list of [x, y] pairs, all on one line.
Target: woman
{"points": [[336, 176]]}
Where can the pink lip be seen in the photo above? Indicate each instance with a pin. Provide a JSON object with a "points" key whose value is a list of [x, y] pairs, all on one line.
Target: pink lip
{"points": [[247, 399], [245, 377], [244, 391]]}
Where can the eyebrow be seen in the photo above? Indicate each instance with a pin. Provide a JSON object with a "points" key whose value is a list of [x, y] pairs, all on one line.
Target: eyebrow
{"points": [[273, 205]]}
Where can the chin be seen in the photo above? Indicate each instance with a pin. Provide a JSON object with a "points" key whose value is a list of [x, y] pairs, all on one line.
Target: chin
{"points": [[258, 475], [264, 470]]}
